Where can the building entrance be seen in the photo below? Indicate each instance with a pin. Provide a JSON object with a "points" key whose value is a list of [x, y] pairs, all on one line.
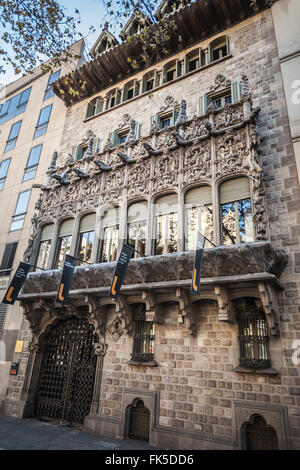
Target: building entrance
{"points": [[66, 380]]}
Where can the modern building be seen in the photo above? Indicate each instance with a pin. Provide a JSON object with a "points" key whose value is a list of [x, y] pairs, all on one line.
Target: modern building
{"points": [[195, 139], [31, 126]]}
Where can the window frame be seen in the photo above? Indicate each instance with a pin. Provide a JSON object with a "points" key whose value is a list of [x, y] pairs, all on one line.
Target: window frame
{"points": [[49, 93], [143, 337], [41, 127], [30, 168], [3, 178], [12, 140], [20, 216]]}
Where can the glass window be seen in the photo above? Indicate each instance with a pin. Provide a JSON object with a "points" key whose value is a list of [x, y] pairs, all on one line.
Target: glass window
{"points": [[13, 136], [219, 48], [8, 258], [170, 75], [44, 248], [32, 163], [86, 237], [166, 221], [20, 211], [137, 227], [198, 216], [43, 120], [222, 100], [150, 84], [64, 242], [236, 211], [110, 236], [14, 106], [3, 171], [53, 77], [253, 335], [143, 336]]}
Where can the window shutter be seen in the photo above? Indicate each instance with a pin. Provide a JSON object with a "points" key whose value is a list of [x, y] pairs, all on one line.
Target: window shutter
{"points": [[66, 228], [235, 92], [156, 79], [96, 145], [199, 196], [137, 212], [137, 130], [166, 204], [234, 190], [136, 88], [113, 138], [88, 111], [154, 120], [203, 100], [99, 106], [75, 152], [210, 53], [227, 45], [164, 74], [110, 218], [47, 232], [118, 96], [88, 223], [178, 68]]}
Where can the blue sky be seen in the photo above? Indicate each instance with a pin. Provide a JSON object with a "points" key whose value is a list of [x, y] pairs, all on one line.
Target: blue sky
{"points": [[91, 13]]}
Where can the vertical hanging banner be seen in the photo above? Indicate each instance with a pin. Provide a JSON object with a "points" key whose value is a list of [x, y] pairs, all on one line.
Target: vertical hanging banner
{"points": [[123, 261], [16, 283], [197, 264], [66, 279]]}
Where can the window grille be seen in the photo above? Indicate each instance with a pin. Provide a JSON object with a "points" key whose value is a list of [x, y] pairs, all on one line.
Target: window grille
{"points": [[143, 338], [254, 340]]}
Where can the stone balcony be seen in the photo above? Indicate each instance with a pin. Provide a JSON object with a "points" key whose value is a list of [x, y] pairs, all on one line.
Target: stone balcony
{"points": [[228, 272]]}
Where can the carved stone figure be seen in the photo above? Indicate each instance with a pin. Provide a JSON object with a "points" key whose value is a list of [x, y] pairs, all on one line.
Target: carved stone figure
{"points": [[182, 117]]}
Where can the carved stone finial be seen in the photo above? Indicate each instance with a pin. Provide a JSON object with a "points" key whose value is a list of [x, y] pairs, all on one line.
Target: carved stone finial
{"points": [[182, 117], [52, 166], [130, 139]]}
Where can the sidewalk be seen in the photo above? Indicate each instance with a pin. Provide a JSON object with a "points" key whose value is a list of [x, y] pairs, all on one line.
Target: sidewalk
{"points": [[32, 434]]}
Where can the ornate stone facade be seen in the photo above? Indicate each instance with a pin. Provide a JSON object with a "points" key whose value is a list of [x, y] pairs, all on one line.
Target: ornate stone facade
{"points": [[196, 391]]}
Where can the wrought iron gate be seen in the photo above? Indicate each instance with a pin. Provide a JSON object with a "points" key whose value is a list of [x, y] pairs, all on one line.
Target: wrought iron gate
{"points": [[259, 436], [139, 422], [66, 381]]}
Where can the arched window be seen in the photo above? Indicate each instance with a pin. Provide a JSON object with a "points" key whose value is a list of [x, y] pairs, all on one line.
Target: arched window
{"points": [[86, 237], [236, 211], [143, 335], [137, 227], [64, 242], [253, 334], [94, 107], [194, 60], [44, 247], [131, 89], [150, 81], [171, 71], [110, 236], [166, 221], [198, 215], [219, 48], [113, 98]]}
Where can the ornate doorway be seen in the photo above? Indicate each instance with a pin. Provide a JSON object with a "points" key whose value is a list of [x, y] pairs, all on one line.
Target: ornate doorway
{"points": [[259, 436], [66, 380], [139, 421]]}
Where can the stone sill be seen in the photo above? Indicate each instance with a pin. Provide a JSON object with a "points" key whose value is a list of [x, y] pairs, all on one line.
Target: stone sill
{"points": [[141, 363], [245, 370]]}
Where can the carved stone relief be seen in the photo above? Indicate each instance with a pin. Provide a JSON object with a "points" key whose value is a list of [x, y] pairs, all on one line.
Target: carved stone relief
{"points": [[139, 179], [166, 171], [197, 163]]}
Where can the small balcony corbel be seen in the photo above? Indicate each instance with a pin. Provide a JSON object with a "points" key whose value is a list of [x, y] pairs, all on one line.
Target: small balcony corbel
{"points": [[185, 311], [226, 309], [269, 302], [153, 312], [124, 312]]}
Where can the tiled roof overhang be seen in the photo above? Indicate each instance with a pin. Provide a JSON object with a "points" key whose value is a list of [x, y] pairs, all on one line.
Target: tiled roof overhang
{"points": [[195, 22]]}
